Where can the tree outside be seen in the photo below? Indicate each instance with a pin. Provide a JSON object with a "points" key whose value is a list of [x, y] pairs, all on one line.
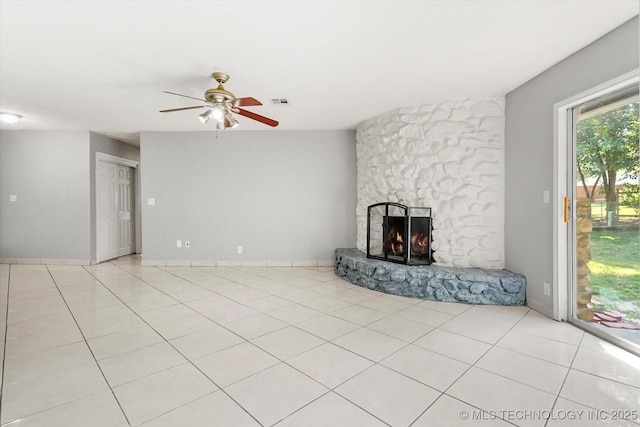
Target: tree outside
{"points": [[608, 147], [608, 151], [630, 196]]}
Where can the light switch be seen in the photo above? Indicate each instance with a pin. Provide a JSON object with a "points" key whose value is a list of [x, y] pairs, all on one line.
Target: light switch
{"points": [[13, 198], [151, 201], [546, 196]]}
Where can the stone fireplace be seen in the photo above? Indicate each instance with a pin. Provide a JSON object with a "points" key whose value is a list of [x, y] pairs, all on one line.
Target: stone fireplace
{"points": [[448, 156]]}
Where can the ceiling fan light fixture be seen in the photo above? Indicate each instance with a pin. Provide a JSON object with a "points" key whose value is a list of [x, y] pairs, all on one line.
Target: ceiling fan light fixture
{"points": [[220, 103], [233, 123], [217, 112], [10, 118], [204, 117]]}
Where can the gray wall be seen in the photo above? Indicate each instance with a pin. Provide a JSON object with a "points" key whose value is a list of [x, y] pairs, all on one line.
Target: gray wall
{"points": [[48, 171], [283, 196], [103, 144], [53, 175], [529, 152]]}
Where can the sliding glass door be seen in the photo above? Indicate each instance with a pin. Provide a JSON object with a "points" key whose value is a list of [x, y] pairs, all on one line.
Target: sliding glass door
{"points": [[602, 210]]}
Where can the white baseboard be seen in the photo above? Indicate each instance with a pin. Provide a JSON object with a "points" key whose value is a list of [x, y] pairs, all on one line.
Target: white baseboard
{"points": [[46, 261], [222, 263], [174, 263], [539, 307]]}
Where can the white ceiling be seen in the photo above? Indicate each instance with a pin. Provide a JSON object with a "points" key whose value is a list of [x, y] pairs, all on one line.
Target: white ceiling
{"points": [[102, 65]]}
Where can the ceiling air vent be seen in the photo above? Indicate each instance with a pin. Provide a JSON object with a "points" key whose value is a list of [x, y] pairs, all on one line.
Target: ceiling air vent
{"points": [[279, 101]]}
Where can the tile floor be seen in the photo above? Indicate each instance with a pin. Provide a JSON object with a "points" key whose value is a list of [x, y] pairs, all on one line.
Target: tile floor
{"points": [[123, 345]]}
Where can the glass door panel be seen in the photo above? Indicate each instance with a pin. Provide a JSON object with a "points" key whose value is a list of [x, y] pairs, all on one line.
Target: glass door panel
{"points": [[605, 227]]}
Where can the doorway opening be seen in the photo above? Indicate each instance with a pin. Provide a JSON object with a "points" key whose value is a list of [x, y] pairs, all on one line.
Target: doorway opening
{"points": [[600, 230], [115, 207]]}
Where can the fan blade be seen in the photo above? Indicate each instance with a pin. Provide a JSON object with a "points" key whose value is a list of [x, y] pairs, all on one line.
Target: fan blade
{"points": [[258, 117], [185, 96], [180, 109], [246, 102]]}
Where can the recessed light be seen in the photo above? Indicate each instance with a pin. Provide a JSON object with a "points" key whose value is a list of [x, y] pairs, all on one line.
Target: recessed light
{"points": [[9, 117]]}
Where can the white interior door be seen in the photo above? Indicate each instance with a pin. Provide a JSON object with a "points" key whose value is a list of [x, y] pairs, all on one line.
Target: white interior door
{"points": [[125, 207], [107, 236], [115, 210]]}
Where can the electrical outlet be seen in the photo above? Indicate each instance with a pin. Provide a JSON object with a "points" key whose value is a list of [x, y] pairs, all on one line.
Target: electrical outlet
{"points": [[187, 244], [178, 243], [239, 249], [547, 289]]}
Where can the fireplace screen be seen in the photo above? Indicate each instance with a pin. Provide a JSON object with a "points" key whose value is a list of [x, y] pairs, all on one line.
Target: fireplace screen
{"points": [[399, 233]]}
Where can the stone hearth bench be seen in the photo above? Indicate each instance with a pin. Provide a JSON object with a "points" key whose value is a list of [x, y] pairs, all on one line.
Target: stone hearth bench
{"points": [[432, 282]]}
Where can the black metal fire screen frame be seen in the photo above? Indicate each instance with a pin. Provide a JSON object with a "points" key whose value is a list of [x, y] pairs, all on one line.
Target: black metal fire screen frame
{"points": [[408, 238]]}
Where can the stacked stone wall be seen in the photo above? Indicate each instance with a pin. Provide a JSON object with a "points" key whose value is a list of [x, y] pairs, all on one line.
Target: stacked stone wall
{"points": [[432, 282], [584, 227]]}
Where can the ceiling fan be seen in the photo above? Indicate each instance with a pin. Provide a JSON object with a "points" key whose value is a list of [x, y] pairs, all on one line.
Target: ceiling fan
{"points": [[220, 103]]}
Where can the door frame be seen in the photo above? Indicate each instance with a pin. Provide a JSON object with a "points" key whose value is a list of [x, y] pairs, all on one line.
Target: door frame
{"points": [[104, 157], [563, 147]]}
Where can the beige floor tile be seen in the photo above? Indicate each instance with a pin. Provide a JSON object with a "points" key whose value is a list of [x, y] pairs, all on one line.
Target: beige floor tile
{"points": [[97, 410], [157, 394], [400, 327], [499, 394], [42, 340], [600, 393], [205, 341], [327, 327], [425, 316], [536, 346], [450, 412], [331, 410], [329, 364], [294, 314], [19, 400], [123, 342], [608, 361], [453, 345], [571, 414], [235, 363], [42, 324], [215, 409], [398, 403], [126, 367], [255, 326], [388, 359], [543, 375], [359, 315], [287, 342], [432, 369], [28, 367], [370, 344], [275, 393], [326, 303]]}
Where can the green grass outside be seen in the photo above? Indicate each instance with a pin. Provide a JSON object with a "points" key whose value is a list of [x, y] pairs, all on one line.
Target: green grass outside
{"points": [[599, 211], [615, 271]]}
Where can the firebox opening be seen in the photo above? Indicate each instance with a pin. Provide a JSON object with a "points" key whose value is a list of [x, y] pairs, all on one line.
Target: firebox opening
{"points": [[400, 234], [419, 243]]}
